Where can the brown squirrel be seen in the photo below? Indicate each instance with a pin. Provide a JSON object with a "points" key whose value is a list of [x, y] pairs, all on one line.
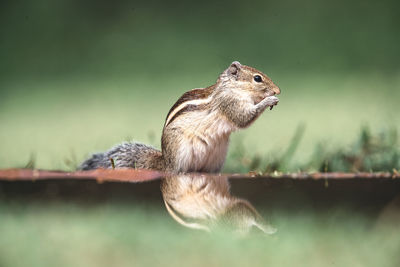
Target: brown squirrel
{"points": [[204, 202], [196, 131]]}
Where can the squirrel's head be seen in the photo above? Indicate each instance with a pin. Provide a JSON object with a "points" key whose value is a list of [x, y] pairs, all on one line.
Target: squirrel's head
{"points": [[250, 80]]}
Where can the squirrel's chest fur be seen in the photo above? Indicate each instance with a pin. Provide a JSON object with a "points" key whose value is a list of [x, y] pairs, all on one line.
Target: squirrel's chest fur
{"points": [[203, 143]]}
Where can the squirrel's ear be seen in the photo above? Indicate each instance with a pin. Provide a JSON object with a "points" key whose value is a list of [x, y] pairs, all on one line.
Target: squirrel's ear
{"points": [[234, 68]]}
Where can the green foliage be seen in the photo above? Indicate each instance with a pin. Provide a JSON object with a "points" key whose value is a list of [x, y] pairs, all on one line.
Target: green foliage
{"points": [[370, 152], [242, 160], [282, 163]]}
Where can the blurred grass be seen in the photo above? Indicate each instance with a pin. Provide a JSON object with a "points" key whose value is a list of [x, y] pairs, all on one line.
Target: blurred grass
{"points": [[371, 152], [60, 123], [116, 234]]}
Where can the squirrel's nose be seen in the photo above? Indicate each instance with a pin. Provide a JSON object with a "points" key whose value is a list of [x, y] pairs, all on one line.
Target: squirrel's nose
{"points": [[276, 90]]}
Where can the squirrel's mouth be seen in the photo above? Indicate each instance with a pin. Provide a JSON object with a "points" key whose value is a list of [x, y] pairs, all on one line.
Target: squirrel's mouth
{"points": [[266, 94], [269, 92]]}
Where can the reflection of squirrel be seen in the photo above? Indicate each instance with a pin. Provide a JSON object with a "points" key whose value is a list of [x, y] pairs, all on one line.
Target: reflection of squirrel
{"points": [[204, 202], [197, 128]]}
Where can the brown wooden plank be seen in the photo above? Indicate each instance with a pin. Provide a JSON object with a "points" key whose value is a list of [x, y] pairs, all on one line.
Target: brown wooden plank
{"points": [[100, 175], [139, 175]]}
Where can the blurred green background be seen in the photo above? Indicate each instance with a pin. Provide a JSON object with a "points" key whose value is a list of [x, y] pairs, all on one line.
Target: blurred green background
{"points": [[121, 235], [77, 77]]}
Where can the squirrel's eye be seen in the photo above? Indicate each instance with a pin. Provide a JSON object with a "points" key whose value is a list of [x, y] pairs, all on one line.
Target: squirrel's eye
{"points": [[257, 78]]}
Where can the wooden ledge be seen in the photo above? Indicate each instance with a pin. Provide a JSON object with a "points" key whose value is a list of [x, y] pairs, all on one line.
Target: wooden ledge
{"points": [[135, 175]]}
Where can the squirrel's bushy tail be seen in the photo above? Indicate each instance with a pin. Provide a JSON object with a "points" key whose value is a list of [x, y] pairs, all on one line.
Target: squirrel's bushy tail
{"points": [[98, 160], [125, 155]]}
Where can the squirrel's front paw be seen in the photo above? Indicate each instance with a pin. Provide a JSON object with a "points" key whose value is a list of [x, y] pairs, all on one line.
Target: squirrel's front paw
{"points": [[272, 101]]}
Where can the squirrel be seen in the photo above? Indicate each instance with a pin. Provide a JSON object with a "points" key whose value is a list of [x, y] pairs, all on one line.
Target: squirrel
{"points": [[196, 132], [204, 202]]}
